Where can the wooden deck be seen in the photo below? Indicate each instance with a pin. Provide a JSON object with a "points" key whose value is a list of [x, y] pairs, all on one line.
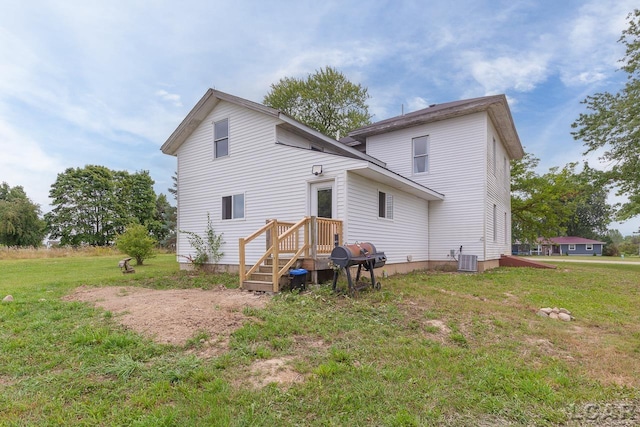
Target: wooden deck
{"points": [[304, 244]]}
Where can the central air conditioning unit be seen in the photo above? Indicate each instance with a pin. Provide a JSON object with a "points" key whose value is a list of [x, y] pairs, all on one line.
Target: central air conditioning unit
{"points": [[468, 263]]}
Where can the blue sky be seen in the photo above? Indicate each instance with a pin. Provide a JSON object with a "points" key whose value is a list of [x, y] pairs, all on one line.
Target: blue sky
{"points": [[106, 82]]}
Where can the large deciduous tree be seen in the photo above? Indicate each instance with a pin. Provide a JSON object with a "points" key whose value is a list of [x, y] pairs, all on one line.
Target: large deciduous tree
{"points": [[20, 223], [93, 204], [589, 212], [325, 101], [612, 123], [136, 199], [536, 210], [559, 202], [163, 226]]}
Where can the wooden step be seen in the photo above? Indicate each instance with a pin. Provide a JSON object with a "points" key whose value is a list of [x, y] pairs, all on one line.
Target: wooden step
{"points": [[265, 269], [261, 277], [257, 285], [281, 261]]}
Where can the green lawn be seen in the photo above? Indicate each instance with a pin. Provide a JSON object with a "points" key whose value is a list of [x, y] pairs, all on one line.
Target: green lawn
{"points": [[627, 258], [429, 349]]}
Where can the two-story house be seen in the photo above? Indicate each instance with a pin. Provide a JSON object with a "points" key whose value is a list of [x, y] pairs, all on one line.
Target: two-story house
{"points": [[424, 187]]}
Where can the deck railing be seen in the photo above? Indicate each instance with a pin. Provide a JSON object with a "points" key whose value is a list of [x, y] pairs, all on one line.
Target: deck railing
{"points": [[308, 238]]}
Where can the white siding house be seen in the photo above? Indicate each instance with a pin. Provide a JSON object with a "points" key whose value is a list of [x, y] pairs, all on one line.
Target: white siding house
{"points": [[418, 186]]}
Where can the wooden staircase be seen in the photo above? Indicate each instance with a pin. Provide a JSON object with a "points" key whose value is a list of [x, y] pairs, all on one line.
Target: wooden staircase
{"points": [[288, 245], [262, 280]]}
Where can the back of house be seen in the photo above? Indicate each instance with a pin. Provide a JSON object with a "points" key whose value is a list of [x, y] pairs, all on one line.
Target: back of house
{"points": [[423, 187]]}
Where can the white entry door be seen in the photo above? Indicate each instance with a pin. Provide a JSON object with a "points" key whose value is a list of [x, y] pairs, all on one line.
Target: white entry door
{"points": [[323, 199]]}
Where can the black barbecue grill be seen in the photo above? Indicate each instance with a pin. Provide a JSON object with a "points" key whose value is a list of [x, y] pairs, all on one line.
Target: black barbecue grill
{"points": [[360, 254]]}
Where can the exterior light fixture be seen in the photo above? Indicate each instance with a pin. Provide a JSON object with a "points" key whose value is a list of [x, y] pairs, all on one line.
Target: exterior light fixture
{"points": [[316, 170]]}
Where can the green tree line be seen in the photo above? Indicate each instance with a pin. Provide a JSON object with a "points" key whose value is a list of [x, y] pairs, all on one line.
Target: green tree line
{"points": [[92, 205]]}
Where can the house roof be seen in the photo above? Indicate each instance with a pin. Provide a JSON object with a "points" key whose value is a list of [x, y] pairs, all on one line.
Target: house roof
{"points": [[496, 106], [569, 240], [397, 181], [212, 97]]}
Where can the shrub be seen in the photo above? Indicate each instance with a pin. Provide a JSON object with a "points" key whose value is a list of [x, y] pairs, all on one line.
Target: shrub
{"points": [[611, 249], [137, 243], [208, 249]]}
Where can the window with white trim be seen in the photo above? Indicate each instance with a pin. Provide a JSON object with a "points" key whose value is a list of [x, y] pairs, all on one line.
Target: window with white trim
{"points": [[505, 164], [588, 246], [221, 138], [493, 153], [506, 232], [572, 247], [421, 154], [495, 223], [385, 205], [233, 206]]}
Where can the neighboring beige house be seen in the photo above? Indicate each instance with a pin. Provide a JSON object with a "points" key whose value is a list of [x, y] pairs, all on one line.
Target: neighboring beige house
{"points": [[423, 187]]}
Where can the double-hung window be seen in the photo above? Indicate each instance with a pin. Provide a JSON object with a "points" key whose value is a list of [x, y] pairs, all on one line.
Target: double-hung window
{"points": [[233, 207], [572, 247], [495, 223], [421, 154], [221, 138], [589, 246], [493, 154], [385, 205]]}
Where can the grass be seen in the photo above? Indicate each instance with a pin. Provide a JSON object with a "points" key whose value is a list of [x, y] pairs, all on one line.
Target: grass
{"points": [[565, 258], [10, 252], [429, 349]]}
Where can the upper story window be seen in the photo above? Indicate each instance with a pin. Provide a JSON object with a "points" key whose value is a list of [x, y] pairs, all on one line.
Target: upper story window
{"points": [[233, 207], [385, 205], [505, 167], [493, 154], [421, 154], [221, 138]]}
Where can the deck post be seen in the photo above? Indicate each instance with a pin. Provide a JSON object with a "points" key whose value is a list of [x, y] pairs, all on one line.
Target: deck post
{"points": [[275, 256], [241, 261], [267, 236], [313, 242]]}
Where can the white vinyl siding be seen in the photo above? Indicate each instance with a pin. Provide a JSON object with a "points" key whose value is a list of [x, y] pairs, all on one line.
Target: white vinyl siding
{"points": [[274, 179], [457, 168], [285, 137], [498, 191], [404, 238]]}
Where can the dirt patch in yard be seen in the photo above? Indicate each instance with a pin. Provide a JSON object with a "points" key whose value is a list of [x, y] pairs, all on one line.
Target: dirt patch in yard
{"points": [[174, 316], [276, 370]]}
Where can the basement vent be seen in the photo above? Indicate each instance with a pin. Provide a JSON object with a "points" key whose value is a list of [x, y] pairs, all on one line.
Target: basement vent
{"points": [[468, 263]]}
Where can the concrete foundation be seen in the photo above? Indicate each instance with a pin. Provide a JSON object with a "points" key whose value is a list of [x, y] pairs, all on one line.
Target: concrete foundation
{"points": [[324, 273]]}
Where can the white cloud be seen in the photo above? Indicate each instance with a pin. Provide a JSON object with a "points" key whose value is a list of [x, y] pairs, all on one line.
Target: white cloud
{"points": [[521, 72], [589, 48], [356, 55], [416, 103], [25, 163], [170, 97]]}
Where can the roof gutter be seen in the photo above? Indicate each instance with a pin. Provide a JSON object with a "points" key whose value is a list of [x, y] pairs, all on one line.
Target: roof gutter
{"points": [[397, 181], [352, 152]]}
